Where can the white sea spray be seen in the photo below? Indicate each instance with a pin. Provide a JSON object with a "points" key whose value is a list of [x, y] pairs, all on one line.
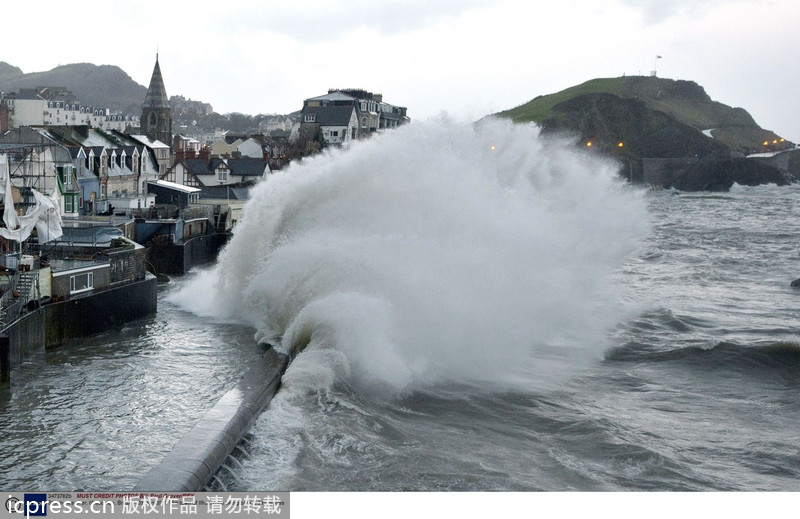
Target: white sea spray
{"points": [[436, 252]]}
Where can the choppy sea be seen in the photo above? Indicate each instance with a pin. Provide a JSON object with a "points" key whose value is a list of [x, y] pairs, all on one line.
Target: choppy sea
{"points": [[471, 308]]}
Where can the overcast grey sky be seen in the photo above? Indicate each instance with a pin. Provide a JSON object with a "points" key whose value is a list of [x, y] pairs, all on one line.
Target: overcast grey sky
{"points": [[464, 57]]}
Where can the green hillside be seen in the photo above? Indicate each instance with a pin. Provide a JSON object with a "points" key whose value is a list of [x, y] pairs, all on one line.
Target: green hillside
{"points": [[540, 107], [685, 102]]}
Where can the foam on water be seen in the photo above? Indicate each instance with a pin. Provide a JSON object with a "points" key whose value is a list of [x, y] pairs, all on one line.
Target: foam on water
{"points": [[437, 252]]}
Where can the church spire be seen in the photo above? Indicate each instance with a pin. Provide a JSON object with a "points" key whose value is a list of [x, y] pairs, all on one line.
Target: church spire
{"points": [[156, 93], [156, 118]]}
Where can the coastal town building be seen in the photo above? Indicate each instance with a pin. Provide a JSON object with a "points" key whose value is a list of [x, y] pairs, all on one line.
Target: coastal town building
{"points": [[185, 146], [210, 172], [226, 145], [56, 106], [38, 162], [341, 116], [272, 148], [93, 171]]}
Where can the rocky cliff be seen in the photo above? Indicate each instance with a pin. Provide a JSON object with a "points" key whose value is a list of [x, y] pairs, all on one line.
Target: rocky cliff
{"points": [[640, 118]]}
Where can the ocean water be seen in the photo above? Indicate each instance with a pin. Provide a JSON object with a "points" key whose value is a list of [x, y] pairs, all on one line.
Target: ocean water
{"points": [[471, 307]]}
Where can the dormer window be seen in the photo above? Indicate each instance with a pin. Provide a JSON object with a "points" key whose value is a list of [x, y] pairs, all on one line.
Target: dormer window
{"points": [[222, 173], [310, 118]]}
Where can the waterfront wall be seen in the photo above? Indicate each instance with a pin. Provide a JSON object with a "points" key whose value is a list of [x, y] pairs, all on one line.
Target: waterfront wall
{"points": [[179, 258], [197, 456], [787, 161], [84, 316], [54, 323]]}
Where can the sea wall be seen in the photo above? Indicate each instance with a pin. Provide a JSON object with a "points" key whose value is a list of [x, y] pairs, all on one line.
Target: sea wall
{"points": [[54, 323], [97, 312], [787, 161], [197, 456], [178, 258]]}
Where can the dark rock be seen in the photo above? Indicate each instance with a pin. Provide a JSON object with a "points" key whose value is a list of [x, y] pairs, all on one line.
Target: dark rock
{"points": [[796, 283], [607, 119], [721, 175]]}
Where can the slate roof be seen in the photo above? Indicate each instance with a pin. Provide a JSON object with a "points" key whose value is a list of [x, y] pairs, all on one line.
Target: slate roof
{"points": [[239, 167], [248, 167], [330, 115], [74, 151], [28, 93], [156, 93], [197, 166]]}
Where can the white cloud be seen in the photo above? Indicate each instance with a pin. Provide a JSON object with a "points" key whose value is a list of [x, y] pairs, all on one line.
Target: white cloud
{"points": [[325, 21]]}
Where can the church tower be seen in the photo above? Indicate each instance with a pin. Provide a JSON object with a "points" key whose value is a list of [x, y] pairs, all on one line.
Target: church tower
{"points": [[156, 114]]}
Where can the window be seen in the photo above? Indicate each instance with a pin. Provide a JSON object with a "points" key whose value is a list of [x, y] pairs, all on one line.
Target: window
{"points": [[69, 204], [81, 282], [334, 133], [222, 173], [310, 118]]}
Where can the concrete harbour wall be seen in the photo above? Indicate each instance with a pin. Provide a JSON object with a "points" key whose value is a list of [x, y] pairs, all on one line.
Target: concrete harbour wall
{"points": [[194, 460]]}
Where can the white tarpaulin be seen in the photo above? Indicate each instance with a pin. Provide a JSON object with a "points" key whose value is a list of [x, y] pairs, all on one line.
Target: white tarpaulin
{"points": [[45, 216]]}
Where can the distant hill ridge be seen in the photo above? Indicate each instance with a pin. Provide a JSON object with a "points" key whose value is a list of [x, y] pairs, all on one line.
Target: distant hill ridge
{"points": [[108, 86], [100, 86], [646, 112]]}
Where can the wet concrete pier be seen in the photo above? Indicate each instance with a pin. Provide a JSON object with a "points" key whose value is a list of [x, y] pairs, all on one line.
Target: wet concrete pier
{"points": [[200, 453]]}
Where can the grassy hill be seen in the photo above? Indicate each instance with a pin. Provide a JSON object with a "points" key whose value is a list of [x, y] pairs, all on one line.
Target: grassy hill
{"points": [[686, 103]]}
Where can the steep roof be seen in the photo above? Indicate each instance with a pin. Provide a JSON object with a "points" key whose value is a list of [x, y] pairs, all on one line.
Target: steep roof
{"points": [[197, 166], [75, 151], [330, 115], [156, 93], [248, 167]]}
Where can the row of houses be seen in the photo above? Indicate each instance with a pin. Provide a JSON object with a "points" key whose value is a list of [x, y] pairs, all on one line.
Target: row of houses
{"points": [[97, 172], [93, 171], [344, 115], [273, 148], [55, 106]]}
